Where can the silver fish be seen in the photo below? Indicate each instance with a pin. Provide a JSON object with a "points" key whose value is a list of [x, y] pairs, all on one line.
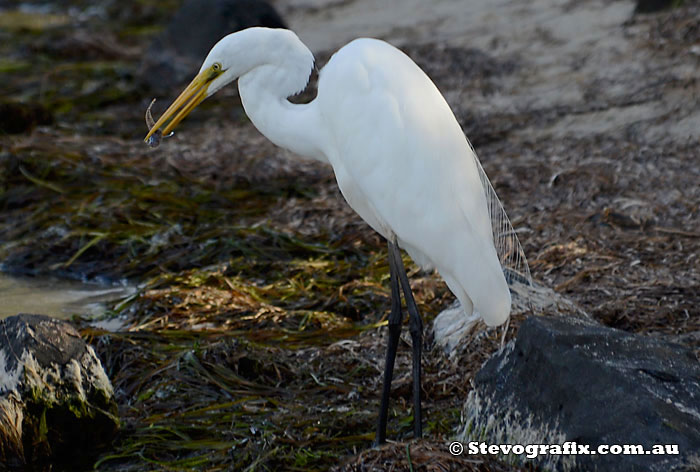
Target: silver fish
{"points": [[157, 136]]}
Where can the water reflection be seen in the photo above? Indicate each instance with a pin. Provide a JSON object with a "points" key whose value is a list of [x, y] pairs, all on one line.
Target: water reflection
{"points": [[56, 297]]}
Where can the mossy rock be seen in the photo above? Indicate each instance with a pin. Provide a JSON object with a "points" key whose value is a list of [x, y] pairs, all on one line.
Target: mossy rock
{"points": [[56, 403]]}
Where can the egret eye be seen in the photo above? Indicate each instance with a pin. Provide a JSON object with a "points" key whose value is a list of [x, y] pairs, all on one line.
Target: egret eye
{"points": [[216, 67]]}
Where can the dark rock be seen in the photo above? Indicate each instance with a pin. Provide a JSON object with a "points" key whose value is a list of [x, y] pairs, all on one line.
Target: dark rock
{"points": [[18, 117], [565, 379], [175, 56], [652, 6], [56, 402]]}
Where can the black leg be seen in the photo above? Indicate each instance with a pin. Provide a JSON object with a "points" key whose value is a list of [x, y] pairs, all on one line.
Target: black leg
{"points": [[416, 329], [395, 319]]}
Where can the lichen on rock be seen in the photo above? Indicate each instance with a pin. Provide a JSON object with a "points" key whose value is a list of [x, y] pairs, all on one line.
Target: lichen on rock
{"points": [[56, 401]]}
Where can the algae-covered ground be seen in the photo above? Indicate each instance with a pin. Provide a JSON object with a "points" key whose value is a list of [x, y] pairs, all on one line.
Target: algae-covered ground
{"points": [[256, 340]]}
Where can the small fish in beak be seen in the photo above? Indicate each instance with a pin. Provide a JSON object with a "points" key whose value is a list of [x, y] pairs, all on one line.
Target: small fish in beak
{"points": [[155, 138]]}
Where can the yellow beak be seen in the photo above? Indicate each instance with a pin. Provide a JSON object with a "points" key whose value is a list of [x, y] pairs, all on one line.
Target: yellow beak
{"points": [[192, 96]]}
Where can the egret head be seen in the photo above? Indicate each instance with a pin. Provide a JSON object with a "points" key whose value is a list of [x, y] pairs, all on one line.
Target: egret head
{"points": [[224, 64], [236, 55]]}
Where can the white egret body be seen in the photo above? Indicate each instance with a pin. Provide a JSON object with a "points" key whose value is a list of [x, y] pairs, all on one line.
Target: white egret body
{"points": [[400, 157]]}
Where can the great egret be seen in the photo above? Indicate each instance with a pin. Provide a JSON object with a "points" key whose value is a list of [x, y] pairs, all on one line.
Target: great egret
{"points": [[400, 158]]}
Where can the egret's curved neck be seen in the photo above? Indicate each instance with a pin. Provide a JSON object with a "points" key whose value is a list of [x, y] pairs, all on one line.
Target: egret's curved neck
{"points": [[264, 91]]}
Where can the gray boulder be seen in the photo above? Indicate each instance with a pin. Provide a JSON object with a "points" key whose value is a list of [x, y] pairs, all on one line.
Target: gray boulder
{"points": [[566, 379], [56, 402]]}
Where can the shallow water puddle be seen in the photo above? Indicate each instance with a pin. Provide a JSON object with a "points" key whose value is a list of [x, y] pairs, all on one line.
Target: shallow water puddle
{"points": [[56, 297]]}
